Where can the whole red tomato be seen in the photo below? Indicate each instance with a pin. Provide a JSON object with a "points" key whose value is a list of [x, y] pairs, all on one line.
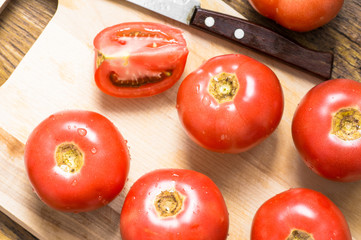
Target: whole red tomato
{"points": [[169, 204], [299, 214], [299, 15], [139, 59], [230, 103], [76, 161], [326, 129]]}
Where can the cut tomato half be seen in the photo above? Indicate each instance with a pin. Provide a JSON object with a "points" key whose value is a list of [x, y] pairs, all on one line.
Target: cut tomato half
{"points": [[139, 59]]}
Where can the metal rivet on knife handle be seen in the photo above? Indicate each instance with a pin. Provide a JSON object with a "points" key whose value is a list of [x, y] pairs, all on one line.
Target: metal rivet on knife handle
{"points": [[209, 22], [239, 33], [265, 40]]}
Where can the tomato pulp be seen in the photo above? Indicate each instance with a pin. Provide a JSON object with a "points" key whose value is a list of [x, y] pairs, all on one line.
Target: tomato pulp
{"points": [[139, 59], [326, 129], [169, 204], [76, 161], [230, 103]]}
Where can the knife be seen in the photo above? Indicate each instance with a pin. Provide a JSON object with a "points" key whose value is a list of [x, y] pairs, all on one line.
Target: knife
{"points": [[243, 32]]}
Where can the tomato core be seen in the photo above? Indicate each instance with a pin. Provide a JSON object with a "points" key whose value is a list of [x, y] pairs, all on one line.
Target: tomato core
{"points": [[224, 87], [117, 81], [168, 203], [69, 157], [297, 234], [99, 59], [346, 124]]}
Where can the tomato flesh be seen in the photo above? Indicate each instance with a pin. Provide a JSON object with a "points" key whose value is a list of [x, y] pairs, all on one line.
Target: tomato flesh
{"points": [[139, 59]]}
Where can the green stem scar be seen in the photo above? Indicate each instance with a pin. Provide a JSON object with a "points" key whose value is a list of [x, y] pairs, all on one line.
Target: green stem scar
{"points": [[224, 87], [168, 203], [346, 124], [69, 157]]}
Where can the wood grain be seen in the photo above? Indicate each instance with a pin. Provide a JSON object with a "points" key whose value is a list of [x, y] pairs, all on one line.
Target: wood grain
{"points": [[21, 23], [23, 20]]}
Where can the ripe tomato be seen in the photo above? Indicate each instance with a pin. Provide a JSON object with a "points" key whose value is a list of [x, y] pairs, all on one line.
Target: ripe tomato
{"points": [[299, 214], [169, 204], [139, 59], [326, 129], [299, 15], [76, 161], [230, 104]]}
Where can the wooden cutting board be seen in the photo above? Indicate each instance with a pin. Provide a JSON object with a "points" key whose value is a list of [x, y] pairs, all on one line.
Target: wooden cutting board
{"points": [[57, 74]]}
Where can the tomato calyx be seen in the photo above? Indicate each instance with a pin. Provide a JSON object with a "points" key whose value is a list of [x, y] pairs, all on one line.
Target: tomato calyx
{"points": [[117, 81], [297, 234], [346, 124], [69, 157], [168, 203], [224, 87]]}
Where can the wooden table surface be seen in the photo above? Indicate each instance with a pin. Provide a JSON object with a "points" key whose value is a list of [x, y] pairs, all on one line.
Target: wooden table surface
{"points": [[23, 21]]}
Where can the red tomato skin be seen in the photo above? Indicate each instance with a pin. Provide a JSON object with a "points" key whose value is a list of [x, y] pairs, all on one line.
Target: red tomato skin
{"points": [[302, 209], [204, 215], [299, 15], [175, 57], [238, 125], [323, 152], [105, 168]]}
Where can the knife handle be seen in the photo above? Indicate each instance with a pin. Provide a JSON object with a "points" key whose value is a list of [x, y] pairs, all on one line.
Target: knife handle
{"points": [[262, 39]]}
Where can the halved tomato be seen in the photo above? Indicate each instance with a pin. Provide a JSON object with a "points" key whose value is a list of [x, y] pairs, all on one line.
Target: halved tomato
{"points": [[139, 59]]}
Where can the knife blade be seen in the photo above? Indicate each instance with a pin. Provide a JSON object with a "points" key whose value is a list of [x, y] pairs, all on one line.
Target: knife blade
{"points": [[243, 32]]}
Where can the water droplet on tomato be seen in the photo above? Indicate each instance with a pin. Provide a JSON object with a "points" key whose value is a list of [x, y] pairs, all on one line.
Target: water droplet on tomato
{"points": [[206, 101], [94, 150], [223, 137], [74, 183], [69, 127], [175, 175], [198, 87], [177, 106], [82, 131]]}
